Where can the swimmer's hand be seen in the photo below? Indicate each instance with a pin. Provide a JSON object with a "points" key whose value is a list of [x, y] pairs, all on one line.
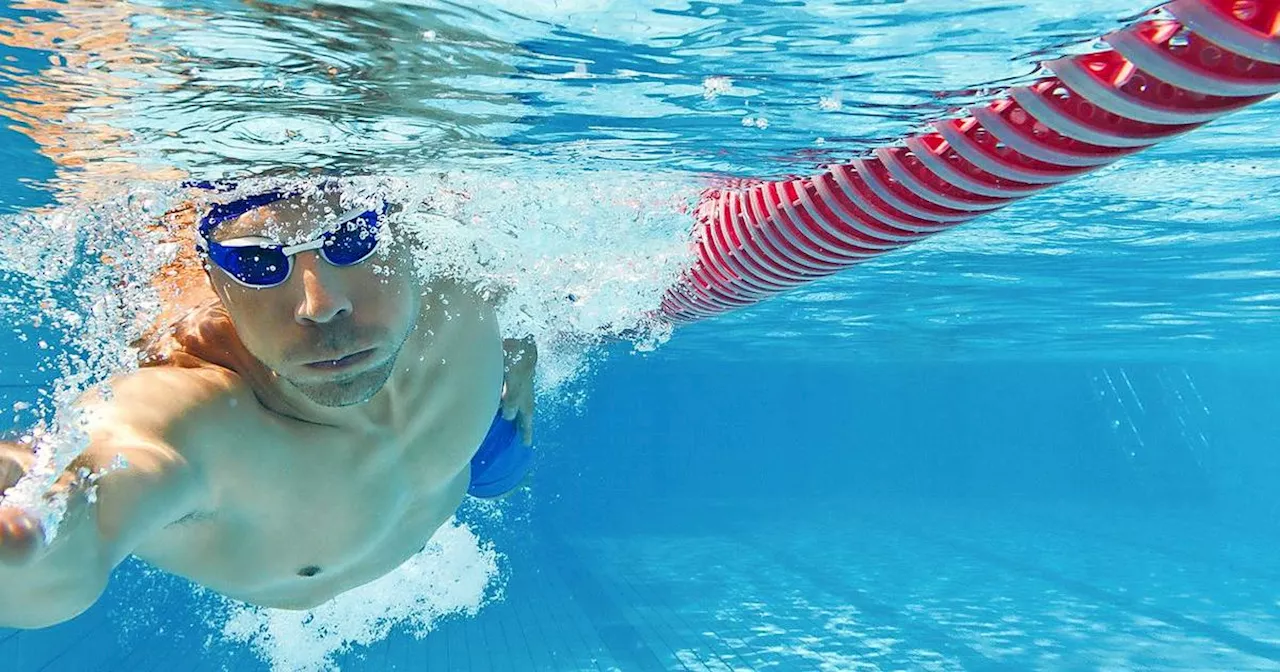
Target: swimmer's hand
{"points": [[21, 535], [517, 387]]}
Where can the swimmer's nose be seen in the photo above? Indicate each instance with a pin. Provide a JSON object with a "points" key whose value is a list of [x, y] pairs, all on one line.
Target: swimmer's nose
{"points": [[324, 297]]}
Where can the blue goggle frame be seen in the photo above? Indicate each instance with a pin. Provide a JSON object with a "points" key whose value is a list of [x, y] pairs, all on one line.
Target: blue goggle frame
{"points": [[353, 238]]}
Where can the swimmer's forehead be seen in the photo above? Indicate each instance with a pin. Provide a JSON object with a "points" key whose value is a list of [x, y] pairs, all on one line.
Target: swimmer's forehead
{"points": [[294, 217]]}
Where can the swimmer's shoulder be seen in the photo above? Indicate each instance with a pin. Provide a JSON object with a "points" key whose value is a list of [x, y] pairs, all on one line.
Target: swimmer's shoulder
{"points": [[189, 390], [170, 405], [196, 337], [152, 421]]}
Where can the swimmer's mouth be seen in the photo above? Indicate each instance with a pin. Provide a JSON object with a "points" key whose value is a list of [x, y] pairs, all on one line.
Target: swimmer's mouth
{"points": [[342, 362]]}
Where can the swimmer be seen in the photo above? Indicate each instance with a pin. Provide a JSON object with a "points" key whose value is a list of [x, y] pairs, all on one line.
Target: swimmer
{"points": [[301, 430]]}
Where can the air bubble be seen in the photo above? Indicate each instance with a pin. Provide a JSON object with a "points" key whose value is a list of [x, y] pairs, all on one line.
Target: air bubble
{"points": [[714, 87], [831, 103]]}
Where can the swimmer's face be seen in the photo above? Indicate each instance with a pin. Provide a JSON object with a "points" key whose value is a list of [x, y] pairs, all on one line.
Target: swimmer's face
{"points": [[332, 332]]}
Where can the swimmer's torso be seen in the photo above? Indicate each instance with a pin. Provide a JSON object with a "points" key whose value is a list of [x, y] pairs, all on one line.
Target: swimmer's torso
{"points": [[295, 513]]}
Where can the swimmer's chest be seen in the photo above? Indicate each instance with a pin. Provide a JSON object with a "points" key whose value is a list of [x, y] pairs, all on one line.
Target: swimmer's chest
{"points": [[294, 512]]}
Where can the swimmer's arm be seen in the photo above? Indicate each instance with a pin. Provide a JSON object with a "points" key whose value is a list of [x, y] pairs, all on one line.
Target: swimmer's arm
{"points": [[520, 363], [65, 577]]}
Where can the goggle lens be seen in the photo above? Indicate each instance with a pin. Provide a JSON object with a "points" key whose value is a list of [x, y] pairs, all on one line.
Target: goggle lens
{"points": [[353, 241], [265, 265], [255, 265]]}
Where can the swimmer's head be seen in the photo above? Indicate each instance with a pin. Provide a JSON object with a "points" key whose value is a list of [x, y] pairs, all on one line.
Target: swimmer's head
{"points": [[332, 321]]}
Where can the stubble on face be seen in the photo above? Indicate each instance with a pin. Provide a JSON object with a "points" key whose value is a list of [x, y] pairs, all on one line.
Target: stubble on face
{"points": [[351, 391], [338, 340]]}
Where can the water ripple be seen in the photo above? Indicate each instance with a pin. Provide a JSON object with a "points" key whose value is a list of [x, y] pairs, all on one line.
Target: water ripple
{"points": [[1163, 254]]}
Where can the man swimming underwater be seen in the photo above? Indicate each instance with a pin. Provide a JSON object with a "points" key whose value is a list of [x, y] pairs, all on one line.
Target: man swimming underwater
{"points": [[302, 431]]}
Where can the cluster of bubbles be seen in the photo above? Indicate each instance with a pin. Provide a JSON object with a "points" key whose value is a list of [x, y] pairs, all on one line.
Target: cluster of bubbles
{"points": [[85, 273], [456, 574]]}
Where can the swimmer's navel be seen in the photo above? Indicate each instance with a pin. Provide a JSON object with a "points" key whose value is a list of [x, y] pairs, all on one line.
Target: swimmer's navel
{"points": [[309, 571]]}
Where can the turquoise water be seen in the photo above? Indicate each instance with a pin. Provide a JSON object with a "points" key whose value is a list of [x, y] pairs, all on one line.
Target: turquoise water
{"points": [[1045, 440]]}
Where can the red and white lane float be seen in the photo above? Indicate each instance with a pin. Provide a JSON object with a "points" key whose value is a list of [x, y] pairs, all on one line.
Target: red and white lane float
{"points": [[1160, 78]]}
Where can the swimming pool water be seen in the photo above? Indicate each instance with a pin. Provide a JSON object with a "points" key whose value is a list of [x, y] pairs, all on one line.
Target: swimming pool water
{"points": [[836, 518]]}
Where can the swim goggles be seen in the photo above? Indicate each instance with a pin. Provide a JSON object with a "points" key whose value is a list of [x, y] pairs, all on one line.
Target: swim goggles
{"points": [[259, 262]]}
